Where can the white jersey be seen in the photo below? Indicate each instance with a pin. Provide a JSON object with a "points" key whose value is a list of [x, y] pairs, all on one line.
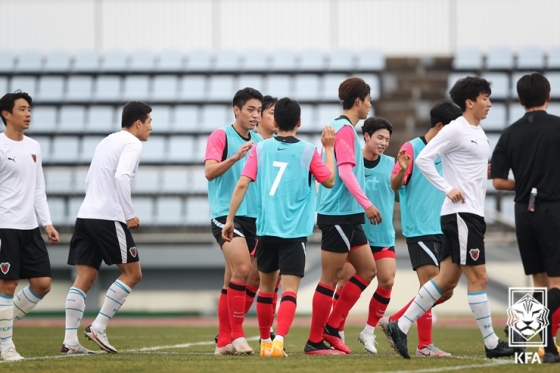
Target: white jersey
{"points": [[22, 184], [109, 178], [464, 152]]}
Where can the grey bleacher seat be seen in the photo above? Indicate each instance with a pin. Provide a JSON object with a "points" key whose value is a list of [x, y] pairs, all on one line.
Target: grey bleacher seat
{"points": [[74, 205], [370, 60], [311, 60], [29, 62], [80, 174], [499, 58], [492, 141], [175, 180], [197, 180], [79, 88], [278, 85], [331, 82], [197, 211], [308, 118], [51, 88], [326, 113], [6, 62], [107, 88], [65, 149], [306, 87], [165, 88], [200, 149], [43, 119], [114, 61], [515, 112], [25, 83], [141, 60], [72, 119], [255, 60], [553, 58], [283, 60], [89, 144], [85, 61], [500, 84], [452, 78], [170, 211], [161, 118], [221, 88], [101, 119], [45, 144], [144, 209], [198, 61], [192, 88], [341, 59], [215, 116], [147, 180], [186, 118], [58, 180], [554, 109], [530, 58], [181, 149], [136, 88], [57, 209], [154, 150], [513, 84], [554, 79], [375, 86], [250, 80], [57, 62], [227, 60], [169, 60], [467, 58], [3, 84], [496, 118]]}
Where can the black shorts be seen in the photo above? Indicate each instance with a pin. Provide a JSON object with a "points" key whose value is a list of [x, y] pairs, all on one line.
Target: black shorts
{"points": [[538, 237], [23, 254], [243, 227], [382, 252], [424, 253], [463, 238], [286, 256], [95, 240], [342, 238]]}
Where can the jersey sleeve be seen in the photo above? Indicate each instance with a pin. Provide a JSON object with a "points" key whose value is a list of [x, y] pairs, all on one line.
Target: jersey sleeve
{"points": [[318, 168], [344, 146], [41, 206], [251, 167], [215, 146], [407, 147], [126, 169]]}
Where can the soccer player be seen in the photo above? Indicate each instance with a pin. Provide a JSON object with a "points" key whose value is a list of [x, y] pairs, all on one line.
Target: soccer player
{"points": [[529, 147], [225, 157], [464, 150], [102, 229], [282, 168], [421, 205], [340, 218], [23, 253]]}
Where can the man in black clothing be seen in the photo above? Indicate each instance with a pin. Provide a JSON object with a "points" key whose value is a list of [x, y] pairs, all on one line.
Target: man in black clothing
{"points": [[530, 147]]}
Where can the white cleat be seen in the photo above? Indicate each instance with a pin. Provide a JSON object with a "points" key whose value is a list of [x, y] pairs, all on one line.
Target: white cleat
{"points": [[241, 347], [225, 350], [368, 340], [11, 354], [100, 338], [431, 351], [75, 350]]}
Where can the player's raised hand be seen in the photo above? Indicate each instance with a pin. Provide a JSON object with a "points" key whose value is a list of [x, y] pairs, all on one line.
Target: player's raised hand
{"points": [[52, 234], [373, 215], [456, 195], [328, 136], [133, 223], [243, 149], [227, 231], [403, 159]]}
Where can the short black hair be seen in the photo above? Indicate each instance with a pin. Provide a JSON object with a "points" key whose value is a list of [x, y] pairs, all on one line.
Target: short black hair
{"points": [[533, 90], [287, 114], [351, 89], [468, 89], [268, 102], [8, 101], [373, 124], [444, 112], [133, 111], [243, 95]]}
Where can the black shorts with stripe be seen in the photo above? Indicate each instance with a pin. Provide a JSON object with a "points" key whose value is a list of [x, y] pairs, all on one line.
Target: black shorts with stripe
{"points": [[342, 238], [96, 240], [286, 255], [424, 252], [463, 238], [23, 254], [242, 227]]}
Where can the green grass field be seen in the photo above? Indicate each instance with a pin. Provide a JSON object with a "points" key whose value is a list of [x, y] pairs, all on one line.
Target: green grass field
{"points": [[190, 349]]}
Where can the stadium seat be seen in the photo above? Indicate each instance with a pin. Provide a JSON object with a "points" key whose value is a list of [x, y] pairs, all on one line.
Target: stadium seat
{"points": [[186, 118], [89, 144], [553, 59], [100, 119], [283, 60], [80, 174], [57, 62], [554, 79], [370, 60], [51, 88], [86, 61], [181, 149], [215, 116], [154, 150], [499, 58], [142, 60], [554, 109], [492, 141], [3, 84], [515, 112], [72, 119], [467, 58], [175, 180], [373, 81], [331, 82], [57, 209], [341, 59], [58, 180], [169, 61], [144, 209], [312, 60], [29, 62], [200, 149], [278, 85], [500, 84], [227, 60], [114, 61], [107, 88], [326, 113], [25, 83], [253, 81], [147, 180], [496, 119], [308, 119], [79, 88], [74, 205], [170, 211], [198, 61], [197, 211], [65, 149], [221, 88], [513, 86], [197, 180], [43, 119], [452, 78], [193, 88], [136, 88], [530, 58], [161, 119], [45, 144], [255, 60], [165, 88], [306, 87], [6, 62]]}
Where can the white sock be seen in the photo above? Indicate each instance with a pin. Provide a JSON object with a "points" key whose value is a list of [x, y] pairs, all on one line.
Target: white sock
{"points": [[114, 299], [75, 306], [279, 338], [24, 302], [478, 302], [425, 299], [6, 321], [341, 334], [368, 329]]}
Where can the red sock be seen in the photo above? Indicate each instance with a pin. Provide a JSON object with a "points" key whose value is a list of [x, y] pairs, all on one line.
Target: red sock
{"points": [[378, 305], [425, 329], [335, 299], [286, 313], [322, 304], [555, 322], [236, 306], [348, 297], [265, 314], [250, 293], [439, 301], [397, 315], [275, 297], [224, 326]]}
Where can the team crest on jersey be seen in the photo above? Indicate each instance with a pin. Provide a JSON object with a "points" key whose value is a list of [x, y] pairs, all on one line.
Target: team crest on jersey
{"points": [[34, 156], [4, 267], [133, 251], [474, 253]]}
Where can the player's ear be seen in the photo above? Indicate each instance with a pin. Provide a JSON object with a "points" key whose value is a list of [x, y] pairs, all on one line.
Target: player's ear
{"points": [[298, 123]]}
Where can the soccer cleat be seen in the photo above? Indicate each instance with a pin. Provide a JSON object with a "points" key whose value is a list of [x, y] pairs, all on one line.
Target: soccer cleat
{"points": [[320, 349], [11, 354], [225, 350], [501, 350], [266, 349], [333, 338], [549, 357], [541, 350], [241, 347], [75, 350], [100, 338], [397, 339], [216, 338], [383, 322], [368, 340], [431, 351], [278, 349]]}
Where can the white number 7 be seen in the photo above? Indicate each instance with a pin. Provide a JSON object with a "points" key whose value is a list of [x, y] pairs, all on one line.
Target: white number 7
{"points": [[282, 166]]}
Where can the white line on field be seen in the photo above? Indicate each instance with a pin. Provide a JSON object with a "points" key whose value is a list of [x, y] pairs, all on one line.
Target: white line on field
{"points": [[457, 367]]}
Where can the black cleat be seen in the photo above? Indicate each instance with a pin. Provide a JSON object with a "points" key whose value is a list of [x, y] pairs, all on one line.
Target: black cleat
{"points": [[397, 339], [549, 357], [320, 349], [501, 350], [516, 338], [216, 339]]}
